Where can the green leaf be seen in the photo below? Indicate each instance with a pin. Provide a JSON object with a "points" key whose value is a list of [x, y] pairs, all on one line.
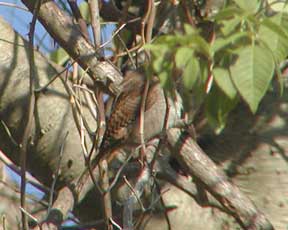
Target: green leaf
{"points": [[227, 12], [230, 25], [217, 108], [275, 27], [159, 53], [189, 29], [278, 5], [185, 59], [251, 6], [203, 72], [200, 44], [182, 56], [223, 80], [158, 63], [168, 40], [252, 73], [221, 43], [191, 73], [274, 35], [165, 75], [156, 48]]}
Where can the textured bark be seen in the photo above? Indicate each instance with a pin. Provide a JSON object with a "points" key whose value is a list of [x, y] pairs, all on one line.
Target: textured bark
{"points": [[62, 28]]}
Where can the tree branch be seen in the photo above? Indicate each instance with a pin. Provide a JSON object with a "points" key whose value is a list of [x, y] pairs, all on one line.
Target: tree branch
{"points": [[198, 164], [62, 28]]}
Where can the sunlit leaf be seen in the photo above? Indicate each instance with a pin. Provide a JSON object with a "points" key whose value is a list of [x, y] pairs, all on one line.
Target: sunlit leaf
{"points": [[167, 40], [182, 56], [223, 80], [274, 36], [221, 43], [250, 6], [252, 73], [158, 63], [227, 12], [189, 29], [275, 27], [163, 76], [159, 52], [190, 73], [200, 44], [229, 26], [278, 5]]}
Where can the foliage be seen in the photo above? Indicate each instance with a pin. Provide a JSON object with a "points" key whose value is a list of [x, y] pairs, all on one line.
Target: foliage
{"points": [[240, 57]]}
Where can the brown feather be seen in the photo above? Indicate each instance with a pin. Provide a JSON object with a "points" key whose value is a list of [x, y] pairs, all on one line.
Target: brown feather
{"points": [[126, 110]]}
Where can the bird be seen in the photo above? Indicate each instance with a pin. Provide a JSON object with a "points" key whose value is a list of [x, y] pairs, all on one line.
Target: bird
{"points": [[123, 118]]}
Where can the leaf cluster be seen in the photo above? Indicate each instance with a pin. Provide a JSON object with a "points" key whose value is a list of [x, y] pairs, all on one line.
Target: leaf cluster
{"points": [[238, 62]]}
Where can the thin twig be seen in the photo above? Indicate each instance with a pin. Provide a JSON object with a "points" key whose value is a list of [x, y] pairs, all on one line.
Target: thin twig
{"points": [[127, 51], [112, 37], [91, 104], [150, 21], [115, 224], [107, 204], [101, 121], [4, 222], [29, 215], [86, 155], [149, 18], [135, 48], [95, 21], [145, 19], [90, 172], [100, 110], [29, 179], [75, 105], [95, 113], [134, 192], [119, 172], [9, 133], [56, 175], [187, 13], [82, 134], [16, 192], [13, 6], [117, 31], [31, 106], [40, 89], [135, 195], [142, 117], [77, 14]]}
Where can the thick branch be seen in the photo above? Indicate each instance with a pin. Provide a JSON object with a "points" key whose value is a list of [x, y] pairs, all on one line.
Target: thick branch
{"points": [[198, 164], [62, 28]]}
